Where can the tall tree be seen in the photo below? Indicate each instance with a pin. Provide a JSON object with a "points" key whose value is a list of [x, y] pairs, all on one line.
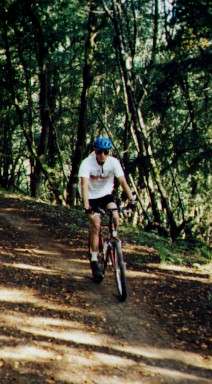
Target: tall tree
{"points": [[87, 78]]}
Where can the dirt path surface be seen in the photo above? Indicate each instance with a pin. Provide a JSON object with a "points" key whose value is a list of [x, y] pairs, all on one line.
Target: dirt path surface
{"points": [[57, 326]]}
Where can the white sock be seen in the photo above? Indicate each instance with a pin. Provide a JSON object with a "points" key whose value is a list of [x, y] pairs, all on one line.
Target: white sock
{"points": [[94, 256]]}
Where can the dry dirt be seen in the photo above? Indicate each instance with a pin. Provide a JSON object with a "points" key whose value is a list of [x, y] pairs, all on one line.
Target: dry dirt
{"points": [[57, 326]]}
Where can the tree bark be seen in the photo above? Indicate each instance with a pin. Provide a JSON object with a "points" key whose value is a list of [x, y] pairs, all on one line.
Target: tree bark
{"points": [[87, 78], [41, 162], [139, 127]]}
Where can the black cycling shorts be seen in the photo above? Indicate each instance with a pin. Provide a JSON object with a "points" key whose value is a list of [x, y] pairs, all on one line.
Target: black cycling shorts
{"points": [[102, 202]]}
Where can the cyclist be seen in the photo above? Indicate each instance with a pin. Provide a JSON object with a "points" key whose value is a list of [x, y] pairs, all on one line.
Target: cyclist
{"points": [[96, 174]]}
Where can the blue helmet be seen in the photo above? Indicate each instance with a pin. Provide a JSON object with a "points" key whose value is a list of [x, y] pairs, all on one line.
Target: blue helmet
{"points": [[102, 142]]}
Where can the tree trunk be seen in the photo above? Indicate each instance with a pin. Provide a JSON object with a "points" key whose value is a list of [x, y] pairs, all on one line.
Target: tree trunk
{"points": [[137, 129], [139, 125], [37, 156], [82, 126], [39, 167]]}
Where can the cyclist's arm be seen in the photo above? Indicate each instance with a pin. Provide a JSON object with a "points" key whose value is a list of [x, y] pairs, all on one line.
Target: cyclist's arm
{"points": [[123, 182], [84, 191]]}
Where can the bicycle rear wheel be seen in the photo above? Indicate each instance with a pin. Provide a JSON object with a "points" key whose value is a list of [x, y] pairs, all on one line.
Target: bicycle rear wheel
{"points": [[120, 269]]}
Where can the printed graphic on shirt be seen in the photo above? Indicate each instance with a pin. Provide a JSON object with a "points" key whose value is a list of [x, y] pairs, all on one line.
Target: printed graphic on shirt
{"points": [[99, 174], [98, 177]]}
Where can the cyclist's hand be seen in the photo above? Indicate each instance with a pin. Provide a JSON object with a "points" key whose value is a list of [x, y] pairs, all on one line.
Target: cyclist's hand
{"points": [[88, 211], [131, 205]]}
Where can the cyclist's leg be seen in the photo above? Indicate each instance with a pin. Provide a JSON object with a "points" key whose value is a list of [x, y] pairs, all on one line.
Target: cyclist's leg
{"points": [[94, 223], [95, 226], [94, 229], [111, 204]]}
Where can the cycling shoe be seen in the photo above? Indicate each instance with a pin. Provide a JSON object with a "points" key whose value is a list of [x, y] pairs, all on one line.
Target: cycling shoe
{"points": [[96, 272]]}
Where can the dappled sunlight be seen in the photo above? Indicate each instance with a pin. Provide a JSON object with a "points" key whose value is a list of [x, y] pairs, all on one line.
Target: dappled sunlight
{"points": [[80, 261], [3, 338], [3, 251], [59, 327], [28, 252], [80, 277], [112, 359], [22, 250], [164, 353], [11, 209], [65, 266], [103, 367], [75, 346], [157, 272], [115, 379], [30, 267], [139, 249], [42, 251], [51, 328], [76, 267], [139, 274], [14, 295], [80, 249], [98, 374], [35, 251], [177, 269], [26, 352], [151, 275], [179, 377], [203, 279]]}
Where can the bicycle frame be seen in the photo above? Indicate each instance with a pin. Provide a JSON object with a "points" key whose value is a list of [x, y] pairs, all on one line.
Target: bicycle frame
{"points": [[110, 251], [110, 226]]}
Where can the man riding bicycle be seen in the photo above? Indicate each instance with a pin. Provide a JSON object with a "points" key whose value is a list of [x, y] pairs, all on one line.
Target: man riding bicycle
{"points": [[96, 174]]}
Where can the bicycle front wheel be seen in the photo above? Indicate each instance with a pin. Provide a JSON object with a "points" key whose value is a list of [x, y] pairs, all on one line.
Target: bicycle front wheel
{"points": [[120, 269]]}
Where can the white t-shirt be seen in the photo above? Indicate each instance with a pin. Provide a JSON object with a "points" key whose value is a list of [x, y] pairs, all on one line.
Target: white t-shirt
{"points": [[101, 177]]}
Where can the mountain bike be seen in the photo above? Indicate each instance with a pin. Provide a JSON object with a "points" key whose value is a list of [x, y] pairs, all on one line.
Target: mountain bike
{"points": [[110, 253]]}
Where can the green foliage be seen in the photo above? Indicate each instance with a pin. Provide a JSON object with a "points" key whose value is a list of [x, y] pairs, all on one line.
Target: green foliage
{"points": [[181, 252], [170, 79]]}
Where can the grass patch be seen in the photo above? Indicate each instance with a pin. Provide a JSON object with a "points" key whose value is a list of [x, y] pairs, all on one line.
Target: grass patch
{"points": [[180, 252]]}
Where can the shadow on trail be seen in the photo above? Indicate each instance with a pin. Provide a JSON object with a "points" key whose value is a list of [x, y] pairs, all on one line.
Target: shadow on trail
{"points": [[33, 326], [56, 326], [44, 355], [181, 302]]}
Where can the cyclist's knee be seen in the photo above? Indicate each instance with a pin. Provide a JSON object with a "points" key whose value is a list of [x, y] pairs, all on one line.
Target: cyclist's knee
{"points": [[95, 224], [116, 220], [111, 205]]}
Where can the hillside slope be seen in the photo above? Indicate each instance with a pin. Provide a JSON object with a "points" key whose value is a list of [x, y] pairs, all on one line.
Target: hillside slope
{"points": [[58, 327]]}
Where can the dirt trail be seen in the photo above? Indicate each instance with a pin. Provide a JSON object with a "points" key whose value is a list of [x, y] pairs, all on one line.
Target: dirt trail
{"points": [[57, 326]]}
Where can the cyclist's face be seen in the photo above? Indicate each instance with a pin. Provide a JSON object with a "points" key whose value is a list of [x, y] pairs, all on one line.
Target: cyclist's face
{"points": [[101, 155]]}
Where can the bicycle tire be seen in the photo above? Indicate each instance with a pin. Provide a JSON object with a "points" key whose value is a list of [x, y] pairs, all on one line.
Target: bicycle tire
{"points": [[120, 275], [106, 255], [102, 256]]}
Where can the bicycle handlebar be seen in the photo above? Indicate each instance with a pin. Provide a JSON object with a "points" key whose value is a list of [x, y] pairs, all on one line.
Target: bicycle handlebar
{"points": [[107, 210], [101, 210]]}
